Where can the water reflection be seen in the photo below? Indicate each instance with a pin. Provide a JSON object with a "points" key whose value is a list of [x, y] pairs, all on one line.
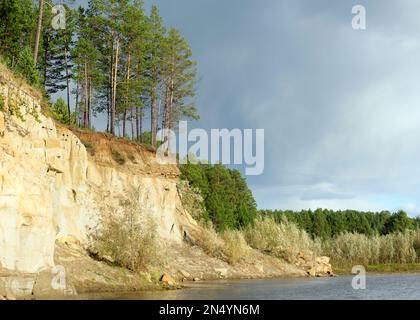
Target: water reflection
{"points": [[383, 287]]}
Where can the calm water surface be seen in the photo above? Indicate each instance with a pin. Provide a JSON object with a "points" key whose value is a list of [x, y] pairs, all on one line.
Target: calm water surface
{"points": [[378, 287]]}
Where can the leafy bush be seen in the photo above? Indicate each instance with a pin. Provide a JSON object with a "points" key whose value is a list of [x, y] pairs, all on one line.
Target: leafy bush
{"points": [[192, 201], [128, 236]]}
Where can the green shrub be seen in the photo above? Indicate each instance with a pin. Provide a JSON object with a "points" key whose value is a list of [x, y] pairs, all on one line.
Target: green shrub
{"points": [[128, 236], [60, 113], [192, 201], [2, 103], [26, 66], [14, 107]]}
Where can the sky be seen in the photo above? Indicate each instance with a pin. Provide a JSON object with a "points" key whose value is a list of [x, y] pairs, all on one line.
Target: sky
{"points": [[340, 107]]}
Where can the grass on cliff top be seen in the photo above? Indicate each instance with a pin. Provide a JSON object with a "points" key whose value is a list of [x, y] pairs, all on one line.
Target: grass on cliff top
{"points": [[19, 81]]}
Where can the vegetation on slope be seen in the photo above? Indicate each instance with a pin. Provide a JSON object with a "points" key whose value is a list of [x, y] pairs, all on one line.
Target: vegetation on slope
{"points": [[326, 224], [127, 236], [229, 203]]}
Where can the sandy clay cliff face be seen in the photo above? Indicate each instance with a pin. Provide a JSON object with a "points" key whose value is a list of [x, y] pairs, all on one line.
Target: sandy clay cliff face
{"points": [[54, 189], [50, 187]]}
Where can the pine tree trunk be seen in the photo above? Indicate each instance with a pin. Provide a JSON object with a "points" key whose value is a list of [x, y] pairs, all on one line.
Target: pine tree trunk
{"points": [[86, 98], [46, 50], [153, 119], [114, 94], [90, 103], [124, 122], [132, 123], [141, 125], [118, 125], [111, 89], [38, 29], [76, 107], [108, 108], [126, 95], [67, 84], [169, 120], [137, 123], [166, 109]]}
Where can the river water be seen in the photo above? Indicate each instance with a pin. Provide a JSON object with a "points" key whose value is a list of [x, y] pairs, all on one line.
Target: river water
{"points": [[378, 287]]}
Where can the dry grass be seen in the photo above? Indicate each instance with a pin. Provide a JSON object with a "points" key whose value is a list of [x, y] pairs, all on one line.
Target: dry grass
{"points": [[210, 242], [230, 246], [235, 248], [283, 240], [352, 249]]}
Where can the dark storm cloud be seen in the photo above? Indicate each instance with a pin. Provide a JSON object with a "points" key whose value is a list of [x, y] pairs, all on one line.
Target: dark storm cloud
{"points": [[341, 108]]}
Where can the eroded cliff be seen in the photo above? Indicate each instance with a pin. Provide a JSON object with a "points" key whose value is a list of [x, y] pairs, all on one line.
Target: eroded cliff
{"points": [[54, 185]]}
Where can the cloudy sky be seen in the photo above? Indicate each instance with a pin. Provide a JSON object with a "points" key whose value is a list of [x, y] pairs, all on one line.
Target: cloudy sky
{"points": [[340, 107]]}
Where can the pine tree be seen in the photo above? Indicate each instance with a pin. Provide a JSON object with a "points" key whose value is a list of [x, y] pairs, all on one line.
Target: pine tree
{"points": [[133, 31], [154, 67], [16, 25], [87, 71], [26, 66], [180, 80], [39, 29]]}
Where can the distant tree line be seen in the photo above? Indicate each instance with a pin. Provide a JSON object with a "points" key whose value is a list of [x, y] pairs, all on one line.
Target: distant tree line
{"points": [[111, 56], [325, 224]]}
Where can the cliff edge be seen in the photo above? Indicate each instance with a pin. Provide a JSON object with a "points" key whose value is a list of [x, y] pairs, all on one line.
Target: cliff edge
{"points": [[55, 184]]}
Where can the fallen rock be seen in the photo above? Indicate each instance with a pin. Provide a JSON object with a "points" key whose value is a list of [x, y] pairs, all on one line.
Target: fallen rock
{"points": [[108, 259], [69, 241], [314, 266], [185, 274], [196, 279], [167, 279], [323, 260], [223, 272]]}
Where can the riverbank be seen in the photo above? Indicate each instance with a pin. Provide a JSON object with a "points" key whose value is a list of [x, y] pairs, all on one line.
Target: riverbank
{"points": [[78, 275], [379, 287]]}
